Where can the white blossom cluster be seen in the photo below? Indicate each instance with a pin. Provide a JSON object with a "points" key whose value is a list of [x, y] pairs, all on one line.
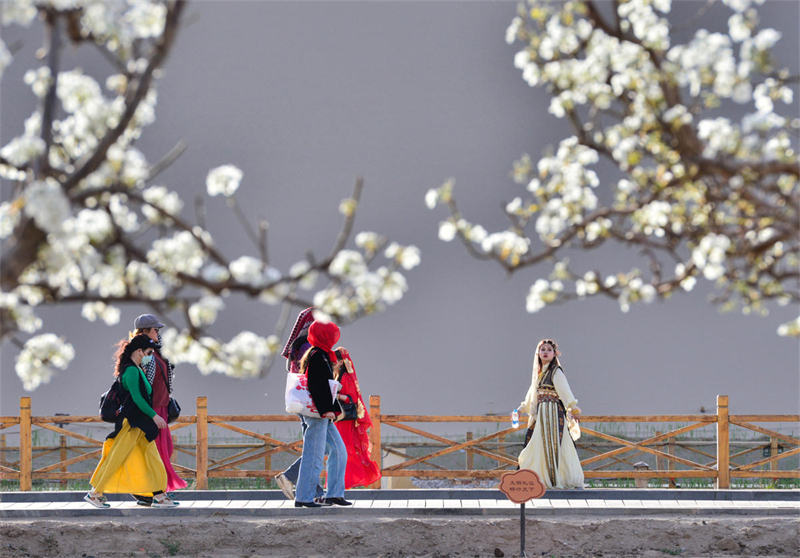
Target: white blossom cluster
{"points": [[111, 236], [695, 178], [243, 356], [40, 356], [356, 289]]}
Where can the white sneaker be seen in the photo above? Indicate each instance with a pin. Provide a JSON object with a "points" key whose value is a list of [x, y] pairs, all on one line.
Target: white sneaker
{"points": [[163, 502], [285, 485], [97, 500]]}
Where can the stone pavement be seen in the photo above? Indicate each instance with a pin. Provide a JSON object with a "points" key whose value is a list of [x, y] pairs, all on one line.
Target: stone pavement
{"points": [[422, 502]]}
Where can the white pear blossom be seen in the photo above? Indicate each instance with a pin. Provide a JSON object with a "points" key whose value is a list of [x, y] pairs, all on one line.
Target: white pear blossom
{"points": [[223, 180], [39, 80], [9, 217], [147, 19], [204, 312], [47, 205], [39, 357], [179, 253], [408, 257], [248, 270], [790, 329], [369, 241], [301, 269], [94, 223], [394, 285], [432, 198], [246, 354], [447, 231], [22, 150], [141, 278], [215, 273], [93, 311], [22, 313], [20, 12], [165, 200], [710, 256], [348, 263]]}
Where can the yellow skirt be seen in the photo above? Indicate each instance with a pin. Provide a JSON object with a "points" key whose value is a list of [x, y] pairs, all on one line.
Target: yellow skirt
{"points": [[130, 464]]}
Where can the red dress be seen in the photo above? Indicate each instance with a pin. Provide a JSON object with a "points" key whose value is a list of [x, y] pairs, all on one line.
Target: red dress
{"points": [[361, 469]]}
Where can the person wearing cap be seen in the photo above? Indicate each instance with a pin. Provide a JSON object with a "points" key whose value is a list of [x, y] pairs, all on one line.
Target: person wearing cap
{"points": [[159, 373], [130, 462]]}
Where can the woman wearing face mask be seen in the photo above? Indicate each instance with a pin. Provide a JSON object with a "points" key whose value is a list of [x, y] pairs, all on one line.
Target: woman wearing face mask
{"points": [[549, 449], [130, 462], [159, 373]]}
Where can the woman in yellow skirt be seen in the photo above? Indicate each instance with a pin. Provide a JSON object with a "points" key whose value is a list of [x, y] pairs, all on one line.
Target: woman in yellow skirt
{"points": [[130, 462]]}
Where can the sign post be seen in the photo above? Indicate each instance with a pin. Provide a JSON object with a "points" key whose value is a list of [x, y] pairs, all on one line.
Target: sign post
{"points": [[520, 487]]}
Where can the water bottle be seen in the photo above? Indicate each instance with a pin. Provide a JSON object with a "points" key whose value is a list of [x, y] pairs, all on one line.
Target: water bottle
{"points": [[514, 418]]}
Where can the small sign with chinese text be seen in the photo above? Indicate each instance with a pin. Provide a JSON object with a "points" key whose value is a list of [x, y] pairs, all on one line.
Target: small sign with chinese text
{"points": [[521, 486]]}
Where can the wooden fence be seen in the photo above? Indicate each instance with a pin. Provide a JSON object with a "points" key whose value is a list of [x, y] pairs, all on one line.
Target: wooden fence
{"points": [[609, 455]]}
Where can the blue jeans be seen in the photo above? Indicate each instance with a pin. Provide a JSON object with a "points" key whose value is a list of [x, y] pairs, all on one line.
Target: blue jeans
{"points": [[319, 433], [293, 472]]}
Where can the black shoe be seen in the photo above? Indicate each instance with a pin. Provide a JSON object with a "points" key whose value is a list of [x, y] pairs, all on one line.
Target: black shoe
{"points": [[322, 501], [338, 502], [146, 501], [306, 504]]}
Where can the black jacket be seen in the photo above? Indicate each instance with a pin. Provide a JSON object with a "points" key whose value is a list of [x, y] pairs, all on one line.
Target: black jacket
{"points": [[136, 417], [319, 371]]}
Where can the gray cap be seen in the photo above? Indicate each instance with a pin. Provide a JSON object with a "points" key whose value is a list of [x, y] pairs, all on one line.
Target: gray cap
{"points": [[146, 321]]}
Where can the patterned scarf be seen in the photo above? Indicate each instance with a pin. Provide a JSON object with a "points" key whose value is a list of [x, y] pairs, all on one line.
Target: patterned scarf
{"points": [[150, 369], [303, 319]]}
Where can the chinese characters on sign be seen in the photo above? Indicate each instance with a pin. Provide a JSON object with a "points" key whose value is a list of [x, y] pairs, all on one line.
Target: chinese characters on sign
{"points": [[521, 486]]}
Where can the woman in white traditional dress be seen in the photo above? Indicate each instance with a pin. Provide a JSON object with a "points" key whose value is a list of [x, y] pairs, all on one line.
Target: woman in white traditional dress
{"points": [[553, 414]]}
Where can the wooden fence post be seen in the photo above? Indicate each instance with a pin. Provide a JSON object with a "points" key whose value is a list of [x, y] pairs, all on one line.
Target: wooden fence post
{"points": [[375, 433], [63, 457], [470, 461], [267, 458], [773, 451], [174, 457], [25, 444], [672, 450], [202, 443], [723, 447], [3, 449]]}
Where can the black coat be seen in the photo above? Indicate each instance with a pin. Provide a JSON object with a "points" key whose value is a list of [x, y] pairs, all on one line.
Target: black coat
{"points": [[319, 371]]}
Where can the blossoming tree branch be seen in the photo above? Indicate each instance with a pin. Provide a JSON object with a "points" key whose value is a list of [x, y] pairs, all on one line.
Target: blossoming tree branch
{"points": [[703, 136], [87, 222]]}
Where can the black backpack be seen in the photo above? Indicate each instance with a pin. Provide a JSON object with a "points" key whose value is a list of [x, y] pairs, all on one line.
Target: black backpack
{"points": [[111, 402]]}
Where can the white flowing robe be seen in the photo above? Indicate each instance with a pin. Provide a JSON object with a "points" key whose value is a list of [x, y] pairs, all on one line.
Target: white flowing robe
{"points": [[568, 472]]}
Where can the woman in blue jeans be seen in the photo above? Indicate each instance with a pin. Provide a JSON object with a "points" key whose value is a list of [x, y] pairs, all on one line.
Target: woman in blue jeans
{"points": [[318, 363]]}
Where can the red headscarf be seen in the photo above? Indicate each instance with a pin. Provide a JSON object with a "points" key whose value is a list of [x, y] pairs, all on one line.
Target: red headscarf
{"points": [[323, 336]]}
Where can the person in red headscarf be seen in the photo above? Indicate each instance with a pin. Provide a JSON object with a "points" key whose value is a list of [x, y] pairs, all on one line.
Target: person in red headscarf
{"points": [[320, 433], [361, 469]]}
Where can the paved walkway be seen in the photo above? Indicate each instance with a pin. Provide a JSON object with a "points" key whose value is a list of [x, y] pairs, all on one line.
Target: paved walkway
{"points": [[400, 503]]}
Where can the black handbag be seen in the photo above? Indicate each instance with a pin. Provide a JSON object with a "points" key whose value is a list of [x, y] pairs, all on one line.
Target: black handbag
{"points": [[349, 410], [173, 410]]}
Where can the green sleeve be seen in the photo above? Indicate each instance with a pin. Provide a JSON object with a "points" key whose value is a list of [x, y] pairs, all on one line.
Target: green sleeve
{"points": [[130, 379]]}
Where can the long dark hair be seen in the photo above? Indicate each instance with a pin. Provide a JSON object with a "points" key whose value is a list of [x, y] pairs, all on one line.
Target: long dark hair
{"points": [[553, 363], [122, 357], [337, 368]]}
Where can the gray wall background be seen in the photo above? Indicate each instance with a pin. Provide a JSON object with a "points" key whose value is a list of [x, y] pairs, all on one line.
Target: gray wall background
{"points": [[304, 96]]}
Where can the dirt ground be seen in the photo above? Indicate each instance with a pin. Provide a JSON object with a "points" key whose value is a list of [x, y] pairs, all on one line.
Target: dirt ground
{"points": [[648, 537]]}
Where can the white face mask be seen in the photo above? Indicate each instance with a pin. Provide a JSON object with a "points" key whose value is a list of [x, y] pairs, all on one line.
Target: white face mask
{"points": [[146, 360]]}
